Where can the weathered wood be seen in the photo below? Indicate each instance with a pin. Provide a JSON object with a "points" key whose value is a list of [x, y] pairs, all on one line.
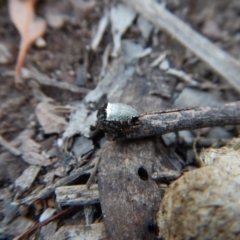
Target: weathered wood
{"points": [[90, 232], [221, 62], [129, 197], [176, 120], [46, 192], [128, 194], [77, 195]]}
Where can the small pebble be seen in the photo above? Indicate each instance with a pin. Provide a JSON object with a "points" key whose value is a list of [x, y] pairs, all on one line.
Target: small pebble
{"points": [[47, 214], [164, 65], [40, 43]]}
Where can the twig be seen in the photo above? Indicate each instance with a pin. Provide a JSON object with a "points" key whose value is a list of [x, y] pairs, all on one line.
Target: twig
{"points": [[103, 23], [222, 63], [159, 123], [93, 173], [159, 59], [31, 230], [183, 76], [196, 155], [44, 80]]}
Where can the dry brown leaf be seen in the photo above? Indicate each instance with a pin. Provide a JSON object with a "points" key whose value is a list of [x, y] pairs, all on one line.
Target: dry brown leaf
{"points": [[28, 25]]}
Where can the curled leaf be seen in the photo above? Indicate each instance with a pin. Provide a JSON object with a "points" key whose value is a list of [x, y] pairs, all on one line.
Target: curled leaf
{"points": [[28, 25]]}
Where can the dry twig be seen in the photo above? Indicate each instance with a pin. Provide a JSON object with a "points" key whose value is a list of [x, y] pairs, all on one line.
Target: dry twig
{"points": [[159, 123], [222, 63]]}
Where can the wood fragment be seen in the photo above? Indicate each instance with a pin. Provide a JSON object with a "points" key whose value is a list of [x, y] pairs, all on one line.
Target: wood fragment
{"points": [[103, 23], [125, 192], [77, 195], [159, 59], [9, 147], [46, 192], [183, 76], [126, 168], [159, 123], [27, 178], [93, 173], [48, 118], [90, 232], [44, 80], [118, 28], [220, 61]]}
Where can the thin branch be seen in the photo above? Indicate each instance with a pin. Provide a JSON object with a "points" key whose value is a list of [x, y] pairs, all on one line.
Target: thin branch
{"points": [[159, 123], [221, 62], [31, 230]]}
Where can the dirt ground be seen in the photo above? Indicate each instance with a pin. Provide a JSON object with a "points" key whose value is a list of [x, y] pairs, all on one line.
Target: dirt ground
{"points": [[67, 58]]}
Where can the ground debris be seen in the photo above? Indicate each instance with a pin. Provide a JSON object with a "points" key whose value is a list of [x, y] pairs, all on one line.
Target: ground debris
{"points": [[27, 178], [103, 23], [211, 200], [31, 153], [90, 232], [77, 195], [5, 54], [17, 226], [222, 63], [46, 192], [113, 188], [127, 15], [49, 120]]}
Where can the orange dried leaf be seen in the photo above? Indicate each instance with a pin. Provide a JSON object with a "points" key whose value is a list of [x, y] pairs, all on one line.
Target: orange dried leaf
{"points": [[28, 25]]}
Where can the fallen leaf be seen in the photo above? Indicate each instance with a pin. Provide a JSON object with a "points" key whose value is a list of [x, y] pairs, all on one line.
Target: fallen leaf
{"points": [[29, 26]]}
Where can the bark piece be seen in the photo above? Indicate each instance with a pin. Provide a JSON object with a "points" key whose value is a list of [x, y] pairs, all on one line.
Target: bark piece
{"points": [[27, 178], [46, 192], [77, 195], [127, 16], [90, 232], [11, 168], [128, 195], [48, 119], [114, 79], [31, 153], [18, 225]]}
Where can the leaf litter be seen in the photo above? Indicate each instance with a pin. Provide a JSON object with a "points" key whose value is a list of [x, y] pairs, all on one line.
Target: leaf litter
{"points": [[72, 143]]}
